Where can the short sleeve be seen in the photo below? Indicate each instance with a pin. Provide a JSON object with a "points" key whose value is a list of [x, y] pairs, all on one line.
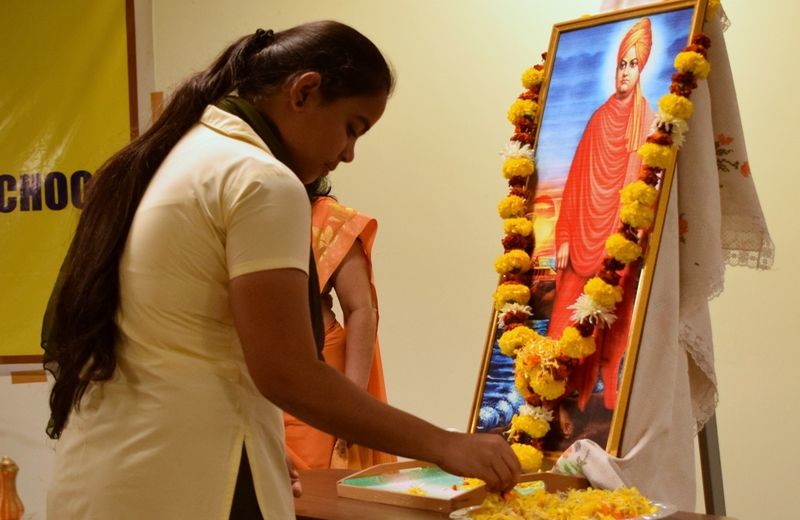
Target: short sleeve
{"points": [[267, 219]]}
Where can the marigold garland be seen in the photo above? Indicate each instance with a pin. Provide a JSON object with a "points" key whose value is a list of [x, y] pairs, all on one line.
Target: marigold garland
{"points": [[693, 62], [545, 385], [522, 108], [603, 293], [519, 226], [515, 260], [542, 366], [529, 425], [639, 191], [517, 167], [637, 215], [622, 249], [511, 293], [574, 345], [677, 106], [511, 206], [655, 155], [529, 457], [711, 9], [532, 78], [515, 339]]}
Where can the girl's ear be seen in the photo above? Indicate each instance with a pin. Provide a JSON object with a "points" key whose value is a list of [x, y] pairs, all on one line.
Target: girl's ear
{"points": [[303, 89]]}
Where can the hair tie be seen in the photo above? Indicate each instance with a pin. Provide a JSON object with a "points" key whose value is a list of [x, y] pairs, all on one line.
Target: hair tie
{"points": [[262, 38]]}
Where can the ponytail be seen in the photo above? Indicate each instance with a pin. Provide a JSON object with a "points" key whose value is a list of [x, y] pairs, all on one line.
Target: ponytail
{"points": [[82, 333]]}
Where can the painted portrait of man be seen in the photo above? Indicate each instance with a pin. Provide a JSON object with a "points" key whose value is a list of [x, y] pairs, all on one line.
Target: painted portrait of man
{"points": [[605, 161], [598, 109]]}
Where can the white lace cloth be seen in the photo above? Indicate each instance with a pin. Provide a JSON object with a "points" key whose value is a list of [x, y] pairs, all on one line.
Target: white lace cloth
{"points": [[714, 201]]}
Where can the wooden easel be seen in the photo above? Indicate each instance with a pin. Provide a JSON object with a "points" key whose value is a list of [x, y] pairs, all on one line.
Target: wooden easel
{"points": [[711, 468]]}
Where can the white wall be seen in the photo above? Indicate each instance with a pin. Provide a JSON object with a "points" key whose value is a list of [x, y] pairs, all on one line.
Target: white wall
{"points": [[429, 172]]}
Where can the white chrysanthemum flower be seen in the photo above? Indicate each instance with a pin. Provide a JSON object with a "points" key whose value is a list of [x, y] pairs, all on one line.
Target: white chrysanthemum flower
{"points": [[513, 307], [677, 127], [537, 412], [586, 307], [517, 149]]}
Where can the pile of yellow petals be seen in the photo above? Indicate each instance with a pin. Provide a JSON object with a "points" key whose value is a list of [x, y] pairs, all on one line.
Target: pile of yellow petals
{"points": [[585, 504]]}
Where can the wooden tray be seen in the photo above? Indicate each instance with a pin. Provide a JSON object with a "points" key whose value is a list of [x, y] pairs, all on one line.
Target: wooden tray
{"points": [[393, 483]]}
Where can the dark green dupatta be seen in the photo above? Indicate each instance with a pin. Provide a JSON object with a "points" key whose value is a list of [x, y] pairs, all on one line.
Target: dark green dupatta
{"points": [[269, 134]]}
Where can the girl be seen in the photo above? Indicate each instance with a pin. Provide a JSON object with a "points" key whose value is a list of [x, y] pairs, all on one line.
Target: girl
{"points": [[183, 318]]}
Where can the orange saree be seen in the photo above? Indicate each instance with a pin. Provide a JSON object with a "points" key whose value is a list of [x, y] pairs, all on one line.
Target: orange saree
{"points": [[334, 230]]}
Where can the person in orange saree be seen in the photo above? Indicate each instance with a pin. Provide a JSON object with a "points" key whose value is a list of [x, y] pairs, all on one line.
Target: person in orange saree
{"points": [[604, 162], [341, 241]]}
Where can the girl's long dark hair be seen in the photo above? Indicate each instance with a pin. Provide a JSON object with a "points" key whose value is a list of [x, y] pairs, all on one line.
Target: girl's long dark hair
{"points": [[80, 345]]}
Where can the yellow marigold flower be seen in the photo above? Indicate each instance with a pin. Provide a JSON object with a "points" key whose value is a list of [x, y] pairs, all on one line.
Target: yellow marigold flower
{"points": [[532, 77], [511, 292], [694, 62], [522, 384], [711, 8], [604, 294], [545, 347], [517, 167], [637, 215], [656, 155], [529, 457], [545, 386], [521, 108], [521, 226], [511, 206], [534, 427], [622, 249], [470, 482], [516, 338], [639, 191], [574, 345], [677, 106], [526, 359], [514, 260]]}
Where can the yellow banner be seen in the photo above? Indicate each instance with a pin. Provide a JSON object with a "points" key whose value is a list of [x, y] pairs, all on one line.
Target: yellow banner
{"points": [[64, 105]]}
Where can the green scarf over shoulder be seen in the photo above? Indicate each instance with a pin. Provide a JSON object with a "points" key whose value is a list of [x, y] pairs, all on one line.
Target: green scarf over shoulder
{"points": [[268, 133]]}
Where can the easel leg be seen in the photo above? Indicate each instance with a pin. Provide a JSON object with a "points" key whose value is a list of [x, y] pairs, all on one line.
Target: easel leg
{"points": [[711, 467]]}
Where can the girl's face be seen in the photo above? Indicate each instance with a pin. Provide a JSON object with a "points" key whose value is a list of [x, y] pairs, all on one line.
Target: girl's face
{"points": [[324, 133]]}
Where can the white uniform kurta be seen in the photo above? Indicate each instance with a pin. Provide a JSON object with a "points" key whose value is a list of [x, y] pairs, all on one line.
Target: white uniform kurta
{"points": [[162, 439]]}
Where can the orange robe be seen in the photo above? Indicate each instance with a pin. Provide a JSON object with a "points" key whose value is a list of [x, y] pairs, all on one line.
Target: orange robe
{"points": [[334, 230], [604, 162]]}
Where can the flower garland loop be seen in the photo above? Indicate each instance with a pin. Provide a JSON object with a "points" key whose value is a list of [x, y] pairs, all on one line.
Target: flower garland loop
{"points": [[542, 365]]}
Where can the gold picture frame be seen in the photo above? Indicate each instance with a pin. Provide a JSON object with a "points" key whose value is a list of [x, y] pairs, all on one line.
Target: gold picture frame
{"points": [[572, 93]]}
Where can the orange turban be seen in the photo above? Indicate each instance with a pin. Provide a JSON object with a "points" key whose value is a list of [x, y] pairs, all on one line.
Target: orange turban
{"points": [[640, 36]]}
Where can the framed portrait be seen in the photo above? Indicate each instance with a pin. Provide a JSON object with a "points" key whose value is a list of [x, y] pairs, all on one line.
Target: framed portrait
{"points": [[603, 78]]}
